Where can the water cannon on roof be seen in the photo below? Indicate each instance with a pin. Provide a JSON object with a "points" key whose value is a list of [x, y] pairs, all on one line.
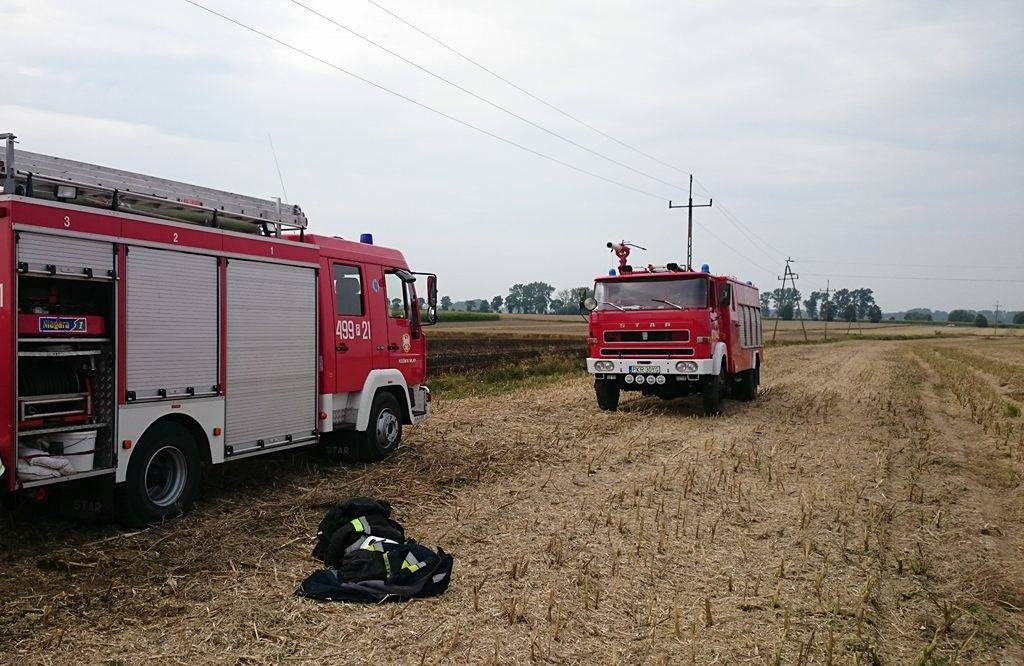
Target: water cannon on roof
{"points": [[621, 251]]}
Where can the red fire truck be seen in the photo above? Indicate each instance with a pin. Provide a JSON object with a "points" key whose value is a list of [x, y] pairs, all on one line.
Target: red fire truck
{"points": [[149, 326], [670, 331]]}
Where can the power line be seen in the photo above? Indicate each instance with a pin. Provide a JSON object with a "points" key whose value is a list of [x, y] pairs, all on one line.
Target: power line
{"points": [[729, 216], [915, 277], [427, 107], [881, 263], [521, 89], [478, 97]]}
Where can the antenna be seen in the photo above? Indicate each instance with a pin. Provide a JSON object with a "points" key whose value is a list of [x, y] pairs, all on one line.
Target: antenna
{"points": [[689, 223], [277, 166]]}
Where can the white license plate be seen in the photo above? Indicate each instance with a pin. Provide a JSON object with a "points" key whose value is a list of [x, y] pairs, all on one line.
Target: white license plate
{"points": [[644, 369]]}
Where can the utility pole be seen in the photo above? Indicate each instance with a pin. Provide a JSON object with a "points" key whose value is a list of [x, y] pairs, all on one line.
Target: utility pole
{"points": [[997, 318], [689, 223], [789, 275], [825, 310]]}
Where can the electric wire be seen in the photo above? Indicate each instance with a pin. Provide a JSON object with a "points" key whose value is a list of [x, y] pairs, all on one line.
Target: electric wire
{"points": [[526, 92], [480, 98], [915, 277], [882, 263], [724, 212], [422, 105]]}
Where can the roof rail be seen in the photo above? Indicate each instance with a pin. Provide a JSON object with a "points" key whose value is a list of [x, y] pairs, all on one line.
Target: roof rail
{"points": [[59, 179]]}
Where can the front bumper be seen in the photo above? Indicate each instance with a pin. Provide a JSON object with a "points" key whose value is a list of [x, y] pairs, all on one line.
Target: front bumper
{"points": [[664, 366]]}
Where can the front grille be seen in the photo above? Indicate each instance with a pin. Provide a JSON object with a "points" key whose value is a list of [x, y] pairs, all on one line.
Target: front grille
{"points": [[645, 351], [646, 336]]}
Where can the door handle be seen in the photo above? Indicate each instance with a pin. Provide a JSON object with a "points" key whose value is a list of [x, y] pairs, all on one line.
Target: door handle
{"points": [[392, 347], [342, 348]]}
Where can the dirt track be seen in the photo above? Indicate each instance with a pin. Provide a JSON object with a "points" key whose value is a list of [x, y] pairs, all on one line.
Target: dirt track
{"points": [[855, 511]]}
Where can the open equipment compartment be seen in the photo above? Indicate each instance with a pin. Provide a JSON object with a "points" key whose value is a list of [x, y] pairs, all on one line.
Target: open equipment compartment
{"points": [[65, 361]]}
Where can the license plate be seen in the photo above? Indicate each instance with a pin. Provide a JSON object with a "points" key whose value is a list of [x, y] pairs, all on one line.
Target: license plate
{"points": [[644, 369]]}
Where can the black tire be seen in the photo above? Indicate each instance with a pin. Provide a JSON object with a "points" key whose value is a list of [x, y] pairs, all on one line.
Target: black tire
{"points": [[712, 393], [607, 394], [162, 477], [747, 387], [383, 432]]}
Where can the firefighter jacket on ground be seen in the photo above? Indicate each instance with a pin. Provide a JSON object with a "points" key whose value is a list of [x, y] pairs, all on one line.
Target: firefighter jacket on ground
{"points": [[368, 558]]}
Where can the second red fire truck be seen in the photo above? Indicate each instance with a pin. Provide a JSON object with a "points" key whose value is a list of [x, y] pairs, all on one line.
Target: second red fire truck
{"points": [[149, 326], [669, 331]]}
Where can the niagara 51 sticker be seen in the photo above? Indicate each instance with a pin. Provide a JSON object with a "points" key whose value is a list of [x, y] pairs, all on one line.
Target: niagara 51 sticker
{"points": [[406, 343]]}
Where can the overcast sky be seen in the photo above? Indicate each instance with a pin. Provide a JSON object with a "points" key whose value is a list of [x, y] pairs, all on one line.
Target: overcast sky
{"points": [[873, 139]]}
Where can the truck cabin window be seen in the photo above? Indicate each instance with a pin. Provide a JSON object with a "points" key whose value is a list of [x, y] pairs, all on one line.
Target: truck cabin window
{"points": [[652, 294], [398, 296], [348, 291]]}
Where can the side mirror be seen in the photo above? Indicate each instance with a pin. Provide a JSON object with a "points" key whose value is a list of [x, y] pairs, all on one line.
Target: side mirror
{"points": [[431, 298], [589, 304]]}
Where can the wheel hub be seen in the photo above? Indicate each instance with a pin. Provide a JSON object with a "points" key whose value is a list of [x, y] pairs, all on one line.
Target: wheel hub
{"points": [[387, 428], [166, 476]]}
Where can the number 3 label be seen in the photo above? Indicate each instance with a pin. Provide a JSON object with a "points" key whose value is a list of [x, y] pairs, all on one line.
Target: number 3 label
{"points": [[353, 330]]}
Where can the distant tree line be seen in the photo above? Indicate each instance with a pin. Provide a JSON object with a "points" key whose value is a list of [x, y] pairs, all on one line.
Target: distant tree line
{"points": [[842, 304], [528, 298]]}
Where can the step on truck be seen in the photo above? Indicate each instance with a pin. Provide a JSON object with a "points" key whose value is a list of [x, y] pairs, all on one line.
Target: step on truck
{"points": [[149, 326], [670, 331]]}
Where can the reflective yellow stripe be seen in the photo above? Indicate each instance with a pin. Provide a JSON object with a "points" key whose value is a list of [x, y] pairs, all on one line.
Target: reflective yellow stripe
{"points": [[358, 524]]}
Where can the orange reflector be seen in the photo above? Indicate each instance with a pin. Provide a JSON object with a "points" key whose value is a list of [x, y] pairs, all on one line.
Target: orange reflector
{"points": [[323, 416], [217, 432], [126, 444]]}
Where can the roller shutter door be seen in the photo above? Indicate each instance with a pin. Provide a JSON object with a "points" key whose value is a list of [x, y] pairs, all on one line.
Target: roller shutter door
{"points": [[172, 311], [68, 256], [271, 381]]}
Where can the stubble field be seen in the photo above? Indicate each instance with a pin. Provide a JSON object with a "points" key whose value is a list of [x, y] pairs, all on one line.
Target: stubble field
{"points": [[867, 508]]}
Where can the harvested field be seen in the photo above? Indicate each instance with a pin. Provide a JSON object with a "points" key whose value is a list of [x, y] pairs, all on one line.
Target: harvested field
{"points": [[867, 508]]}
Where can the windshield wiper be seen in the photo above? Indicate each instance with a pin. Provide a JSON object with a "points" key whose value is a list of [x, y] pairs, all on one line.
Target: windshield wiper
{"points": [[659, 300], [613, 305]]}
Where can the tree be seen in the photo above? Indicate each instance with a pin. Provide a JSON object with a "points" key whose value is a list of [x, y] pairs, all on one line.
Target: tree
{"points": [[980, 321], [396, 305], [496, 303], [484, 305], [874, 314], [1019, 318], [863, 299], [918, 314], [850, 312], [446, 303], [786, 311], [811, 304], [766, 303], [470, 305], [784, 297], [961, 315], [828, 311], [515, 301]]}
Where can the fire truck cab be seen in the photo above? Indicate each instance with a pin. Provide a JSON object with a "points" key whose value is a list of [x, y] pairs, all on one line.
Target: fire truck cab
{"points": [[149, 326], [669, 332]]}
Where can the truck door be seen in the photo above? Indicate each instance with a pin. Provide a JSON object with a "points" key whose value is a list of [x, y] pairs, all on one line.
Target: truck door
{"points": [[405, 335], [352, 330]]}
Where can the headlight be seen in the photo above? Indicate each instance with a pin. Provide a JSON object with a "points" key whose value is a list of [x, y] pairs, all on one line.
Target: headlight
{"points": [[686, 366], [604, 366]]}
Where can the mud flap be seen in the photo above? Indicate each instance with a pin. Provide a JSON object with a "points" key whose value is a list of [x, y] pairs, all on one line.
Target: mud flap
{"points": [[88, 499]]}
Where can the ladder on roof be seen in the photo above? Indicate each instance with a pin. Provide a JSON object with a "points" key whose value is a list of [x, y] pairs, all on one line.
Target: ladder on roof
{"points": [[59, 179]]}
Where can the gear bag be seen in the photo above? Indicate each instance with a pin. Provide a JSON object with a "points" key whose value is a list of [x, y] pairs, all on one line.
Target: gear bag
{"points": [[369, 559], [346, 523]]}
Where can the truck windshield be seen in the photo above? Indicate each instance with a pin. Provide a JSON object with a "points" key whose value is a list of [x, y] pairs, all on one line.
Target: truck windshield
{"points": [[654, 294]]}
